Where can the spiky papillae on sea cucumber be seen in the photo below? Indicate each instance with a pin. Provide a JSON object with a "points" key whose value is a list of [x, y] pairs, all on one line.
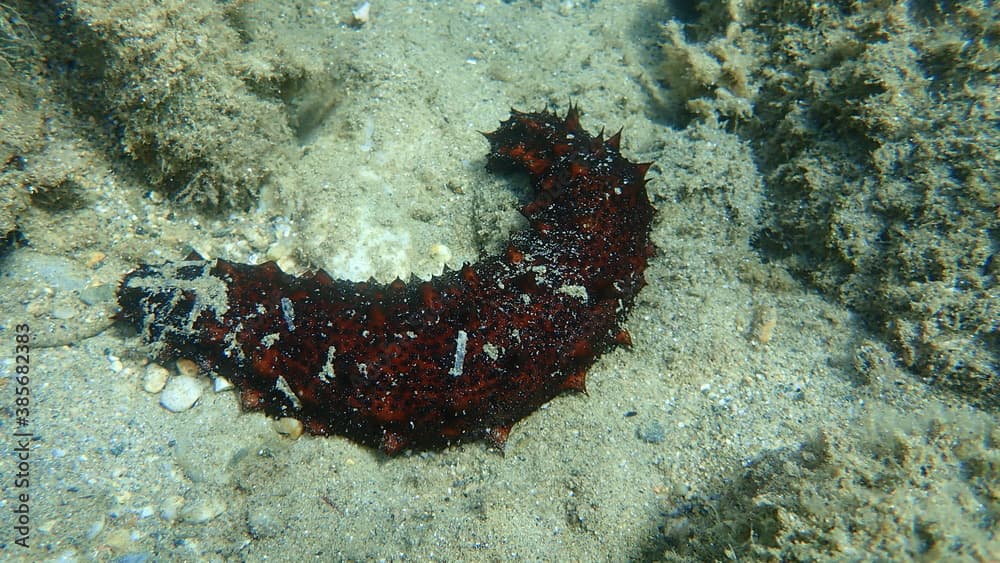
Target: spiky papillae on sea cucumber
{"points": [[423, 365]]}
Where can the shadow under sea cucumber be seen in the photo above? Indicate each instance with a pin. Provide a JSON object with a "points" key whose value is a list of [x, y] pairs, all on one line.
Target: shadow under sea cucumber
{"points": [[423, 365]]}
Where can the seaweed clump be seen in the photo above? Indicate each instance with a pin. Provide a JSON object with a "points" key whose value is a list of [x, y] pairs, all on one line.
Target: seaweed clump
{"points": [[875, 127]]}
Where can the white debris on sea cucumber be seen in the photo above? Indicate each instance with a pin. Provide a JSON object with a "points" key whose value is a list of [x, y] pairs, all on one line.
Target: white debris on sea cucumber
{"points": [[460, 342]]}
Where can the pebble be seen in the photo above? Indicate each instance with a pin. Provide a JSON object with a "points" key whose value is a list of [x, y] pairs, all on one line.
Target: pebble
{"points": [[651, 432], [63, 313], [203, 510], [115, 364], [154, 378], [764, 320], [96, 528], [220, 384], [119, 540], [57, 272], [95, 260], [262, 525], [361, 14], [94, 294], [288, 427], [440, 253], [187, 367], [170, 507], [180, 393]]}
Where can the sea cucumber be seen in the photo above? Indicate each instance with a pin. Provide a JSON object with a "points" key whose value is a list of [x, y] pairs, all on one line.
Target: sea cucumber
{"points": [[422, 365]]}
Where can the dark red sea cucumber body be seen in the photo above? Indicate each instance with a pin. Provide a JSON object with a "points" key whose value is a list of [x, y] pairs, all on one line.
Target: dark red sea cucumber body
{"points": [[424, 365]]}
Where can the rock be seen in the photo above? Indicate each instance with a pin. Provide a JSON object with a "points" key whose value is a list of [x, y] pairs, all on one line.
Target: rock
{"points": [[187, 367], [262, 525], [170, 507], [154, 378], [180, 393], [94, 294], [220, 384], [203, 510], [361, 14], [288, 427], [651, 432]]}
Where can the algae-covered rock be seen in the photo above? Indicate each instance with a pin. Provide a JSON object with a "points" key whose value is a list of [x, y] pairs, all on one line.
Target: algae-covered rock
{"points": [[875, 125], [901, 487], [20, 121], [19, 130], [34, 168], [202, 105]]}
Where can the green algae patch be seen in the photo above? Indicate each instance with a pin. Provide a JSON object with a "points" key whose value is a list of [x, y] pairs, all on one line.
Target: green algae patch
{"points": [[875, 126]]}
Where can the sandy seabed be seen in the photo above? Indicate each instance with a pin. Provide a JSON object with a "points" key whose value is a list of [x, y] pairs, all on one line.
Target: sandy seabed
{"points": [[754, 418]]}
